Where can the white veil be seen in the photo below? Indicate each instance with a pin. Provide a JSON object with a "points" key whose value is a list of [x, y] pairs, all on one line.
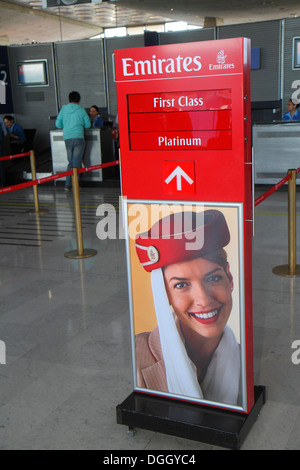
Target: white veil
{"points": [[222, 380]]}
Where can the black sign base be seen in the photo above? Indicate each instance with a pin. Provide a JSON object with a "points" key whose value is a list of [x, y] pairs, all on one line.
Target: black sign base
{"points": [[201, 423]]}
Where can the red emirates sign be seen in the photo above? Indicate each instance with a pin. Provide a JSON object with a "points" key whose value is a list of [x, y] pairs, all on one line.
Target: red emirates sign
{"points": [[184, 113]]}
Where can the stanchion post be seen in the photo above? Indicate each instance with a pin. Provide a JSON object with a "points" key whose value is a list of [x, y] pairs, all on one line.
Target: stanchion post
{"points": [[290, 270], [292, 221], [33, 173], [77, 212], [34, 188], [80, 252]]}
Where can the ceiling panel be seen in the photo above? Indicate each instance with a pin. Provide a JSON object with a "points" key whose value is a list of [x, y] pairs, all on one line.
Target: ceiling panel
{"points": [[25, 21]]}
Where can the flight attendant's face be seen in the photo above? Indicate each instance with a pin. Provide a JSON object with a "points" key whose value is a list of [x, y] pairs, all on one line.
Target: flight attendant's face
{"points": [[8, 123], [291, 106], [93, 112], [200, 294]]}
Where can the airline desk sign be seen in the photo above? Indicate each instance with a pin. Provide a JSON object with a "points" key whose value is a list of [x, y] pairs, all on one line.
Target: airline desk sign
{"points": [[185, 158], [185, 102]]}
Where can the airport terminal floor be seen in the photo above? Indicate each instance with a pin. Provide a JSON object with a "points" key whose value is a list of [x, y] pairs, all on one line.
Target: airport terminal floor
{"points": [[65, 323]]}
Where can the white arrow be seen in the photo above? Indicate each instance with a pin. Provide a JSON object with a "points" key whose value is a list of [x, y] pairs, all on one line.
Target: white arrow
{"points": [[179, 173]]}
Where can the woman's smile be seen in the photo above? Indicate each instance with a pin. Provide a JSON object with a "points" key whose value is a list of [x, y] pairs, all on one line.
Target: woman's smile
{"points": [[207, 317]]}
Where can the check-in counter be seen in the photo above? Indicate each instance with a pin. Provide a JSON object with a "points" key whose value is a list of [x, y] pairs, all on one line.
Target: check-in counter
{"points": [[276, 150], [92, 154]]}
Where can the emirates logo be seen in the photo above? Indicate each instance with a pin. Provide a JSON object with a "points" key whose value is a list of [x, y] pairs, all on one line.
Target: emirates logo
{"points": [[221, 64], [221, 57], [153, 254]]}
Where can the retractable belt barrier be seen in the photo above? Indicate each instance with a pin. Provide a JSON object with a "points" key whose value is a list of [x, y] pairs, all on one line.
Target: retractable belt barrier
{"points": [[291, 269], [16, 155], [274, 188], [46, 179], [80, 252]]}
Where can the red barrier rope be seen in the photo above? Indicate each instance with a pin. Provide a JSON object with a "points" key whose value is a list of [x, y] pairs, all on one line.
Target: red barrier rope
{"points": [[17, 155], [105, 165], [28, 184], [273, 189], [97, 167]]}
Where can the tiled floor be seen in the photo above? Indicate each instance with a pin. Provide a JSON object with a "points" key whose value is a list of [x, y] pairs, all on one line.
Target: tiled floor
{"points": [[65, 323]]}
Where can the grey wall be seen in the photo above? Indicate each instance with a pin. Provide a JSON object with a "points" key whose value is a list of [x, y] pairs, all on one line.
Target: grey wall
{"points": [[265, 82], [71, 66], [80, 67], [33, 105], [187, 36], [291, 30]]}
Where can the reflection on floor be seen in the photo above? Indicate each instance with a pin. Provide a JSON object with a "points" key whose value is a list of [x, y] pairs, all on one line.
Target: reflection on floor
{"points": [[65, 324]]}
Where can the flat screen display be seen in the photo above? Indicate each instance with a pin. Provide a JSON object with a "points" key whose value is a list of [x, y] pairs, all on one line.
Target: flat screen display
{"points": [[255, 58], [32, 73], [296, 55]]}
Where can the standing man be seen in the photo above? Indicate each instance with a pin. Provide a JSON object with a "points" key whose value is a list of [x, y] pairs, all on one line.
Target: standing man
{"points": [[73, 119]]}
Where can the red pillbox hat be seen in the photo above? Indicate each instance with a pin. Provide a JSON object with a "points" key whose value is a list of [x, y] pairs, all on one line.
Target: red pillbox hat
{"points": [[181, 237]]}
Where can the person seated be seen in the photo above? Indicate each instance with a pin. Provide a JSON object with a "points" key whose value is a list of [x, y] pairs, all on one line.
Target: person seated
{"points": [[293, 113], [16, 133], [96, 119]]}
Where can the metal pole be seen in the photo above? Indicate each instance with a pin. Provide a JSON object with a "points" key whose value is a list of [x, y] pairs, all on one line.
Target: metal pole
{"points": [[290, 270], [292, 221], [34, 188], [77, 213], [33, 173], [80, 252]]}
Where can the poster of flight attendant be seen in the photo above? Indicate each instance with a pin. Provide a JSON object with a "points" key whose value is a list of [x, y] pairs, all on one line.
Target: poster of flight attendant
{"points": [[185, 267]]}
